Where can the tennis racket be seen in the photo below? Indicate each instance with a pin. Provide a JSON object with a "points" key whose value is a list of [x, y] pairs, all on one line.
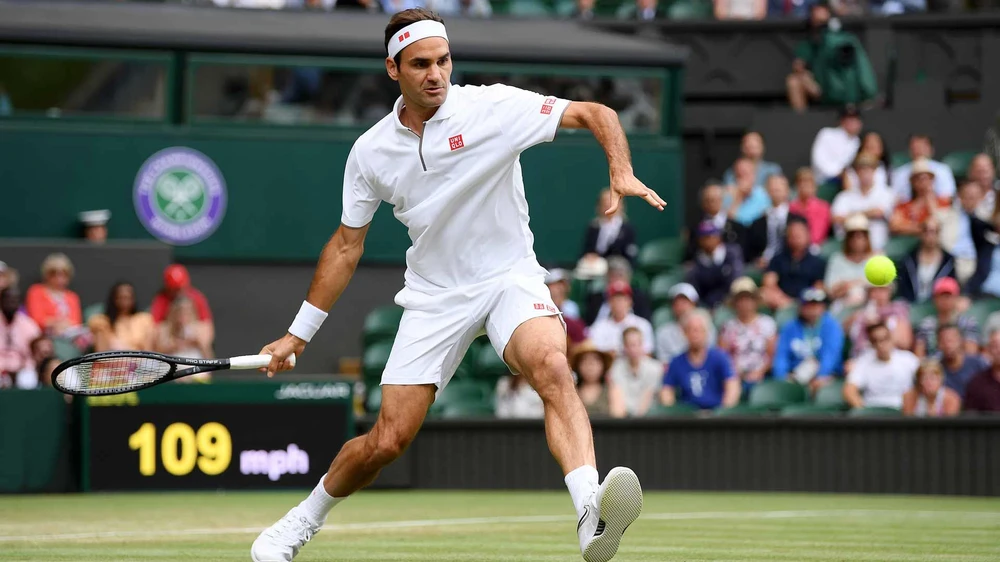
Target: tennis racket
{"points": [[121, 372]]}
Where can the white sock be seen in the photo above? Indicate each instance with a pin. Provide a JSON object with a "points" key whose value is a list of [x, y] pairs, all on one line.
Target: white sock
{"points": [[319, 503], [582, 483]]}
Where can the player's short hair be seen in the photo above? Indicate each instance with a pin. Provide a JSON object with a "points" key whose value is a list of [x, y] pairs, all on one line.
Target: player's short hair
{"points": [[399, 20]]}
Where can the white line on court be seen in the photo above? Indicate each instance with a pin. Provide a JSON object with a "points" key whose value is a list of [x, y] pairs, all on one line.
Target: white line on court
{"points": [[680, 516]]}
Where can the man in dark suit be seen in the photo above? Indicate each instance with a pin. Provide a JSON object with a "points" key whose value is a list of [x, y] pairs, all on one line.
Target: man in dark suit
{"points": [[974, 239], [929, 255], [716, 265], [610, 236], [766, 235], [711, 197]]}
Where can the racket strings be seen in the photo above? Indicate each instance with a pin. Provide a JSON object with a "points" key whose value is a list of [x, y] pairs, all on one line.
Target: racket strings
{"points": [[113, 375]]}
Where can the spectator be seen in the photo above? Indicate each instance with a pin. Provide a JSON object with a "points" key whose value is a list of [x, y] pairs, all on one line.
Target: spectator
{"points": [[514, 398], [959, 366], [619, 269], [794, 269], [922, 153], [801, 84], [929, 397], [711, 210], [610, 235], [740, 9], [635, 378], [558, 281], [925, 265], [882, 375], [670, 340], [642, 10], [607, 333], [751, 337], [463, 8], [745, 200], [982, 394], [752, 148], [835, 147], [808, 205], [967, 238], [946, 312], [51, 304], [122, 326], [766, 236], [703, 376], [845, 273], [591, 366], [987, 277], [875, 203], [715, 266], [584, 10], [17, 332], [177, 282], [873, 145], [983, 173], [47, 367], [41, 349], [182, 333], [880, 308], [909, 216], [810, 348], [94, 226]]}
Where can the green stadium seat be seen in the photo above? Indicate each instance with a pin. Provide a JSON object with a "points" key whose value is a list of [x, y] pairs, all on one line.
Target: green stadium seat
{"points": [[579, 289], [528, 8], [464, 391], [919, 311], [640, 280], [831, 396], [467, 410], [467, 368], [830, 247], [756, 274], [64, 349], [959, 162], [741, 410], [828, 191], [659, 289], [874, 412], [722, 315], [689, 10], [785, 315], [92, 310], [982, 308], [679, 410], [565, 8], [373, 362], [775, 395], [808, 410], [381, 324], [899, 247], [898, 159], [662, 315], [374, 401], [489, 365], [660, 255]]}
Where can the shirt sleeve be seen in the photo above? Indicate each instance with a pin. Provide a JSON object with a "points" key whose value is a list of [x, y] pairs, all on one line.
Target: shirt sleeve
{"points": [[360, 199], [725, 367], [944, 181], [526, 118], [826, 158], [857, 375], [670, 378], [648, 339], [901, 183], [839, 206], [780, 366]]}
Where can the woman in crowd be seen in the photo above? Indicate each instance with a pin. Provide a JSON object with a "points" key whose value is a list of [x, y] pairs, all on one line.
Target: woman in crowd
{"points": [[880, 308], [872, 143], [183, 334], [807, 204], [122, 327], [750, 338], [591, 367], [514, 398], [609, 235], [845, 273], [991, 279], [52, 305], [925, 265], [929, 397]]}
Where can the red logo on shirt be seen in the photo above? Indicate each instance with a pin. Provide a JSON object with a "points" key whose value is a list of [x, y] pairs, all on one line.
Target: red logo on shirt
{"points": [[546, 109], [550, 101], [539, 306], [551, 308], [404, 36], [456, 142]]}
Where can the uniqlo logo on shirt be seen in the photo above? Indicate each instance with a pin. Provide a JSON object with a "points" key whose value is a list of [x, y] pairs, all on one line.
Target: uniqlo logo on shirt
{"points": [[546, 109], [550, 101], [404, 36], [456, 142], [539, 306]]}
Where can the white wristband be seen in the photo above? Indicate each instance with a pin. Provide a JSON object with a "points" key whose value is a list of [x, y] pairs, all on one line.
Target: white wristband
{"points": [[307, 322]]}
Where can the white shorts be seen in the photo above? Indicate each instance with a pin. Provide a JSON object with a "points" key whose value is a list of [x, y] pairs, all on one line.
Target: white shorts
{"points": [[437, 329]]}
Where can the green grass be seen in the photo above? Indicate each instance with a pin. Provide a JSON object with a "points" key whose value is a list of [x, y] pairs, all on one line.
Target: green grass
{"points": [[530, 526]]}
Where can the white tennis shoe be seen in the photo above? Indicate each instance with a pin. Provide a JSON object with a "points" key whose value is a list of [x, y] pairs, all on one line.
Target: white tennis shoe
{"points": [[615, 505], [281, 542]]}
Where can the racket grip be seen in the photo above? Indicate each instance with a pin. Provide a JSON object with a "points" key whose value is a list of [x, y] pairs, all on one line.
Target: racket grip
{"points": [[255, 361]]}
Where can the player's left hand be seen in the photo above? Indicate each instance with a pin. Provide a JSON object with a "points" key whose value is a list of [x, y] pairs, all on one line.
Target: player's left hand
{"points": [[629, 185]]}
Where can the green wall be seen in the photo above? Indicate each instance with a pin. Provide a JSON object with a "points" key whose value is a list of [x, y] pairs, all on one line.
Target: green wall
{"points": [[285, 187]]}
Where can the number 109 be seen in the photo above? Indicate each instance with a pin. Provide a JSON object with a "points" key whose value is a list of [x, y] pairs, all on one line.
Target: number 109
{"points": [[181, 448]]}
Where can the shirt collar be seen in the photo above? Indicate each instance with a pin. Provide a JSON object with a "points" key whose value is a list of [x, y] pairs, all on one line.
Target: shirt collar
{"points": [[447, 109]]}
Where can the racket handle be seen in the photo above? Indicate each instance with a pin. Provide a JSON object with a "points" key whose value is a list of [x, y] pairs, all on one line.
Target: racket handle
{"points": [[255, 361]]}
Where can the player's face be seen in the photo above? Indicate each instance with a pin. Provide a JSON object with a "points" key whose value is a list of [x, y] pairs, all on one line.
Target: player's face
{"points": [[424, 72]]}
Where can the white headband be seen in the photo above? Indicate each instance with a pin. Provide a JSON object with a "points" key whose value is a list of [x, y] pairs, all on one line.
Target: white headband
{"points": [[415, 32]]}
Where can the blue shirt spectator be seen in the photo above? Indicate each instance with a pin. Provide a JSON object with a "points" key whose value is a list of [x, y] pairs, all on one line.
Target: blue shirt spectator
{"points": [[794, 269], [811, 346], [702, 376]]}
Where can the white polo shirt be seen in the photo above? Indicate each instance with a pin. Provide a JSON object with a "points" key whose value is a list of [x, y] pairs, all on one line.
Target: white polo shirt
{"points": [[883, 383], [852, 201], [458, 189]]}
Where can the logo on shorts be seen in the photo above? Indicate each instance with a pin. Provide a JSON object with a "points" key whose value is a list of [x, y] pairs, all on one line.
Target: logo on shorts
{"points": [[180, 196], [456, 142], [547, 105]]}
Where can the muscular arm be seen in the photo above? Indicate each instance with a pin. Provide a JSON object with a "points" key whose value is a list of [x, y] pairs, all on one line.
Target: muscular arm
{"points": [[336, 266]]}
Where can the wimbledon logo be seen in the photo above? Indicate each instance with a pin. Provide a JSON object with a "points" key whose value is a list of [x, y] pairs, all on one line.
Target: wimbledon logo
{"points": [[180, 196]]}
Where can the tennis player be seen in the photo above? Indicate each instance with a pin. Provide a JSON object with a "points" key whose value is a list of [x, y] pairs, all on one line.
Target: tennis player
{"points": [[447, 160]]}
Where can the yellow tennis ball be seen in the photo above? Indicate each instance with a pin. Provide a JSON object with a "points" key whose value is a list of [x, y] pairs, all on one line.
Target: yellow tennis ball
{"points": [[880, 271]]}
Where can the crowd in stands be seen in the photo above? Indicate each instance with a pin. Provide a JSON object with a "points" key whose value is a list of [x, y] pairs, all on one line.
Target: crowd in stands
{"points": [[771, 286], [46, 323]]}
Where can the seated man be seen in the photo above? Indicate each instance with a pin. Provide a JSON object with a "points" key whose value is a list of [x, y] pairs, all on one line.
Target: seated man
{"points": [[958, 365], [716, 265], [607, 333], [793, 270], [882, 375], [834, 148], [17, 331], [811, 347], [909, 216], [177, 283], [619, 269], [946, 311], [711, 210], [635, 378], [927, 263], [967, 238], [922, 150], [982, 394], [670, 339], [703, 376], [875, 203], [983, 173]]}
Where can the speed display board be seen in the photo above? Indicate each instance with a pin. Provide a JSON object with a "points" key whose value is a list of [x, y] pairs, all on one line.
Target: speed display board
{"points": [[226, 435]]}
